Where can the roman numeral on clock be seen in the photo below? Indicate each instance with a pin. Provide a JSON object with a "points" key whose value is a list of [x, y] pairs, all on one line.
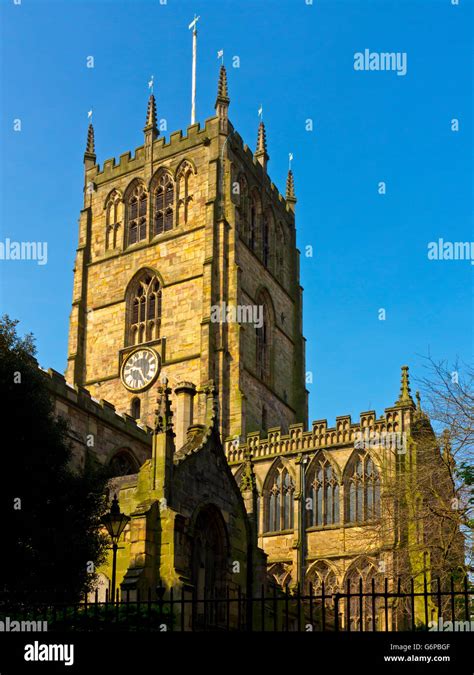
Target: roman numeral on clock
{"points": [[140, 369]]}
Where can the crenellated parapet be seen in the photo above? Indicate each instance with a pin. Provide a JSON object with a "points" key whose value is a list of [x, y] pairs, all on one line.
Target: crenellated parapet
{"points": [[345, 433], [163, 149], [103, 411]]}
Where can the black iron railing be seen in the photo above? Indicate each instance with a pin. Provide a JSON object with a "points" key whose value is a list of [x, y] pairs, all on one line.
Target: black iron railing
{"points": [[386, 606]]}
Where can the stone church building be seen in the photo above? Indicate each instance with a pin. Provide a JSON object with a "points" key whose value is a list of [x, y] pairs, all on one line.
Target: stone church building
{"points": [[186, 374]]}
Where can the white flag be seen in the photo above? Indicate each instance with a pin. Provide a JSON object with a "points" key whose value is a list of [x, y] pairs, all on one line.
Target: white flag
{"points": [[291, 156], [89, 114], [150, 83], [220, 53], [260, 111]]}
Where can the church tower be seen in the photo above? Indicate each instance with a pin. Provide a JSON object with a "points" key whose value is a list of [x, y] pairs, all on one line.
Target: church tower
{"points": [[187, 267]]}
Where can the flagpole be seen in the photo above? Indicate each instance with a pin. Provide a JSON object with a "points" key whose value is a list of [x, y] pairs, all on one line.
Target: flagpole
{"points": [[193, 103], [193, 86]]}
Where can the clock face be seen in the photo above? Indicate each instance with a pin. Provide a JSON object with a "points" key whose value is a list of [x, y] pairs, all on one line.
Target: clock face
{"points": [[140, 369]]}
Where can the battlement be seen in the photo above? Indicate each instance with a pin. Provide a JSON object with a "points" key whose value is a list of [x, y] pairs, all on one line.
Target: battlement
{"points": [[178, 142], [100, 409], [162, 150], [320, 436]]}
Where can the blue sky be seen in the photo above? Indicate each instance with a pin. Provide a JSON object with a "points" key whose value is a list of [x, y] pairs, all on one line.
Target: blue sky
{"points": [[369, 250]]}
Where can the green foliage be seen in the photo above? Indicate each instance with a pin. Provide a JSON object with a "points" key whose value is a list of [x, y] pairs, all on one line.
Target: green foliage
{"points": [[128, 617], [50, 514], [100, 617], [465, 473], [119, 618]]}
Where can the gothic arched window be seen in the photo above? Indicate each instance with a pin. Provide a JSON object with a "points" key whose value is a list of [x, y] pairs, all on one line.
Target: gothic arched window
{"points": [[255, 220], [360, 615], [144, 310], [362, 490], [264, 419], [163, 204], [279, 254], [123, 464], [279, 574], [321, 575], [262, 351], [137, 207], [278, 500], [185, 180], [244, 209], [266, 235], [253, 227], [112, 220], [323, 490], [263, 341], [320, 581]]}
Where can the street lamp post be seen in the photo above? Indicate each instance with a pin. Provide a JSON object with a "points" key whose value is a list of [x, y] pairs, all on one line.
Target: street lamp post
{"points": [[115, 523]]}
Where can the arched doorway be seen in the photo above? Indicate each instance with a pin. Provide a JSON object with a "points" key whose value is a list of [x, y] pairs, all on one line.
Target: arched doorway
{"points": [[209, 566]]}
